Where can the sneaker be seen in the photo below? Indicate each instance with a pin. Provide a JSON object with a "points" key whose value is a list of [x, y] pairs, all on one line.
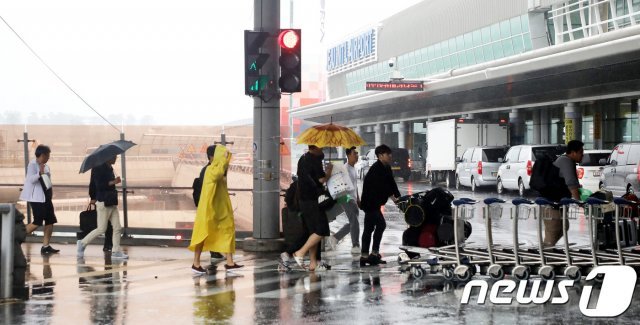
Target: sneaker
{"points": [[198, 270], [285, 257], [120, 255], [48, 250], [80, 248], [216, 256], [355, 250], [234, 266], [379, 258], [370, 260], [106, 248]]}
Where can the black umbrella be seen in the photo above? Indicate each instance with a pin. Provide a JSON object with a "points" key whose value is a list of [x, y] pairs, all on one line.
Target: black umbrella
{"points": [[104, 153]]}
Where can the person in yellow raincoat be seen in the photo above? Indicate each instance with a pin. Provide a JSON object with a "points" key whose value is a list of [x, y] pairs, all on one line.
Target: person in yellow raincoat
{"points": [[214, 228]]}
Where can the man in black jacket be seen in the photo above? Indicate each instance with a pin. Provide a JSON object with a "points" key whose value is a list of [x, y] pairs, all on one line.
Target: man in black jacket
{"points": [[108, 235], [105, 182], [378, 186]]}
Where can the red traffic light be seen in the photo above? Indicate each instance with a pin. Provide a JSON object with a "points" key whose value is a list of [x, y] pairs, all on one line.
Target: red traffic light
{"points": [[288, 39]]}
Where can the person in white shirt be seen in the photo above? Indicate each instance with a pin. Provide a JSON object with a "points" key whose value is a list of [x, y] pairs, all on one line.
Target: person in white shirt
{"points": [[351, 208], [38, 192]]}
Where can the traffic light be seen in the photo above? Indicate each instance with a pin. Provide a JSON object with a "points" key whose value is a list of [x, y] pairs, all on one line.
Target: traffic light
{"points": [[290, 60], [254, 82]]}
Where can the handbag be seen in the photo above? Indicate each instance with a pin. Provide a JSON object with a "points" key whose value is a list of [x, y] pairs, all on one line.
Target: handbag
{"points": [[89, 219], [325, 201], [110, 198]]}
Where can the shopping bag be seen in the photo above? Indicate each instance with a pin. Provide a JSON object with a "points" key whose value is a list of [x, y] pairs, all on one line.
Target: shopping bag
{"points": [[339, 184]]}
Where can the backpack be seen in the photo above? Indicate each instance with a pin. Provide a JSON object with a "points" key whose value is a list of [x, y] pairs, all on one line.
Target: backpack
{"points": [[291, 196], [545, 178], [197, 186]]}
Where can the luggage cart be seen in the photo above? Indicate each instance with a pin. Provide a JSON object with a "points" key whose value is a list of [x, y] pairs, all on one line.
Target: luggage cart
{"points": [[522, 259], [624, 211], [594, 213], [576, 257], [493, 210], [496, 260], [451, 260]]}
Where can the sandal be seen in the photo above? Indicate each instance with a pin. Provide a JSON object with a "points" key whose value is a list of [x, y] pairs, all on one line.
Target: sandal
{"points": [[300, 261]]}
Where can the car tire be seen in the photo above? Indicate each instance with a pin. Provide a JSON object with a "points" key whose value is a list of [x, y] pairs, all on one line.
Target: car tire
{"points": [[521, 188], [473, 184], [630, 189], [499, 186], [601, 186]]}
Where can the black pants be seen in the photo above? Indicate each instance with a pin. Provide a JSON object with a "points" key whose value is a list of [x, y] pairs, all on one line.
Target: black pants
{"points": [[373, 223], [108, 238]]}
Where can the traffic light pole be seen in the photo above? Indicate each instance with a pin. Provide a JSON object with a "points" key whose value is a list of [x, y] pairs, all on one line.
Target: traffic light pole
{"points": [[266, 137]]}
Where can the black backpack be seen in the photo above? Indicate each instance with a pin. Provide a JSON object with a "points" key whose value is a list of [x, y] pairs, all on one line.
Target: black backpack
{"points": [[292, 195], [545, 178], [197, 186]]}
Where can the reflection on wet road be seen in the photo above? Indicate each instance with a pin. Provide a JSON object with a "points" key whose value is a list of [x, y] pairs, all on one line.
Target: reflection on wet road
{"points": [[156, 286]]}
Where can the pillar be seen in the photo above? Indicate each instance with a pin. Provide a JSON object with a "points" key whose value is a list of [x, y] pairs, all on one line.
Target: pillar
{"points": [[536, 127], [379, 130], [572, 122], [517, 127], [545, 125], [402, 135]]}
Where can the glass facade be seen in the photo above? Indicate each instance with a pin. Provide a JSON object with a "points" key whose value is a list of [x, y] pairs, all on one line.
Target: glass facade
{"points": [[576, 19], [618, 123], [502, 39]]}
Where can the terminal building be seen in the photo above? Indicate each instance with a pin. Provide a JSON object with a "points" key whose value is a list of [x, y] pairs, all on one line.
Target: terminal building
{"points": [[553, 70]]}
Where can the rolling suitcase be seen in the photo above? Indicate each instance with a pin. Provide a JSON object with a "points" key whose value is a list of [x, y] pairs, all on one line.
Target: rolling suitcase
{"points": [[606, 234], [629, 233], [293, 230]]}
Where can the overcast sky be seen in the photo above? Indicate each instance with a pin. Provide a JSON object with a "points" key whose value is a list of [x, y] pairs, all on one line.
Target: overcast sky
{"points": [[149, 61]]}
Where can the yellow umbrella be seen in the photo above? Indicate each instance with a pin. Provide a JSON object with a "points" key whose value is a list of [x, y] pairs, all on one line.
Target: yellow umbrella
{"points": [[330, 135]]}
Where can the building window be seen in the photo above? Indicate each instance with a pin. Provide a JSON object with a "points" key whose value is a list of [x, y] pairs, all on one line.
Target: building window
{"points": [[502, 39]]}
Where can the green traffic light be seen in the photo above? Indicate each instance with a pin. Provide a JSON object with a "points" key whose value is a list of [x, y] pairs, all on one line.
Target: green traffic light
{"points": [[253, 66], [255, 86]]}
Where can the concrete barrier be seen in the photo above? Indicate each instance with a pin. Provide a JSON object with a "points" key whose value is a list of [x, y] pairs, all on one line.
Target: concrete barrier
{"points": [[7, 211]]}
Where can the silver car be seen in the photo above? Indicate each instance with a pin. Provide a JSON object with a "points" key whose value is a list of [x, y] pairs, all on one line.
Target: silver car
{"points": [[478, 166], [516, 168], [621, 173]]}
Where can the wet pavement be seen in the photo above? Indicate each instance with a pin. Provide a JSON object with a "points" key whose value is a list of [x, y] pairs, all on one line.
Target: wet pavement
{"points": [[156, 286]]}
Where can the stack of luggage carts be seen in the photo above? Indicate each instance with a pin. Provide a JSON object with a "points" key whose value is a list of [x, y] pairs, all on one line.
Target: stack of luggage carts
{"points": [[442, 229]]}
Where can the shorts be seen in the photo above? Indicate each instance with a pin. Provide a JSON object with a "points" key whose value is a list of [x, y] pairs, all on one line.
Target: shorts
{"points": [[315, 220], [43, 213]]}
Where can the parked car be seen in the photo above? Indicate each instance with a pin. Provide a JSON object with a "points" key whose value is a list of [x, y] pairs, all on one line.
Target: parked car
{"points": [[400, 164], [478, 166], [621, 171], [589, 169], [515, 171]]}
